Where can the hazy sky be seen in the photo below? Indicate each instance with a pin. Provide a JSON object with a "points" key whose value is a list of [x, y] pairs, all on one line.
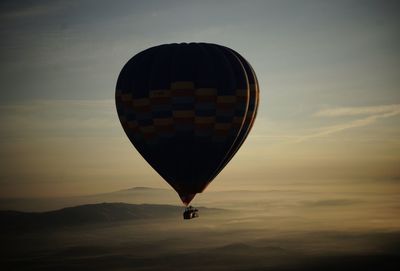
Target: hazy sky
{"points": [[328, 72]]}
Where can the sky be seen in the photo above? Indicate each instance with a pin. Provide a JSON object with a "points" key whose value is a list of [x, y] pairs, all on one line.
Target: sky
{"points": [[329, 84]]}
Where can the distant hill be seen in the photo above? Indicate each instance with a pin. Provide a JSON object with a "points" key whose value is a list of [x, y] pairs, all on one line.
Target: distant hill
{"points": [[88, 214], [229, 199], [136, 195]]}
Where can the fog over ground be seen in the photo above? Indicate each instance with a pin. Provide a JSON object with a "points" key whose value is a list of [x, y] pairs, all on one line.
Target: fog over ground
{"points": [[297, 228]]}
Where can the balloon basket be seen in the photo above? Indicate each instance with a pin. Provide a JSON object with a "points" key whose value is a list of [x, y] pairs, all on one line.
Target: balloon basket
{"points": [[190, 213]]}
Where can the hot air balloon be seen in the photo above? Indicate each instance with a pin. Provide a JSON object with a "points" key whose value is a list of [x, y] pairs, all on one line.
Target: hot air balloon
{"points": [[187, 108]]}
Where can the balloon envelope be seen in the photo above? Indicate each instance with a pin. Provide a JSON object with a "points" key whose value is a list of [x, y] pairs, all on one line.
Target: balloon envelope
{"points": [[187, 109]]}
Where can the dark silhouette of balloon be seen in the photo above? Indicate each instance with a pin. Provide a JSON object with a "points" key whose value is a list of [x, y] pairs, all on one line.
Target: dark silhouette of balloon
{"points": [[187, 108]]}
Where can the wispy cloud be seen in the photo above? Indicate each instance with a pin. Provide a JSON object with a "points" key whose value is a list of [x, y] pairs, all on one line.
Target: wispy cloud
{"points": [[35, 105], [355, 111], [330, 203], [22, 11], [58, 117], [371, 113]]}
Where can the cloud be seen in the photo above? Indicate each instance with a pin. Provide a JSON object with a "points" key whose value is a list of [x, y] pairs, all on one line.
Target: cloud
{"points": [[22, 11], [374, 113], [35, 105], [330, 203], [356, 111], [42, 118]]}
